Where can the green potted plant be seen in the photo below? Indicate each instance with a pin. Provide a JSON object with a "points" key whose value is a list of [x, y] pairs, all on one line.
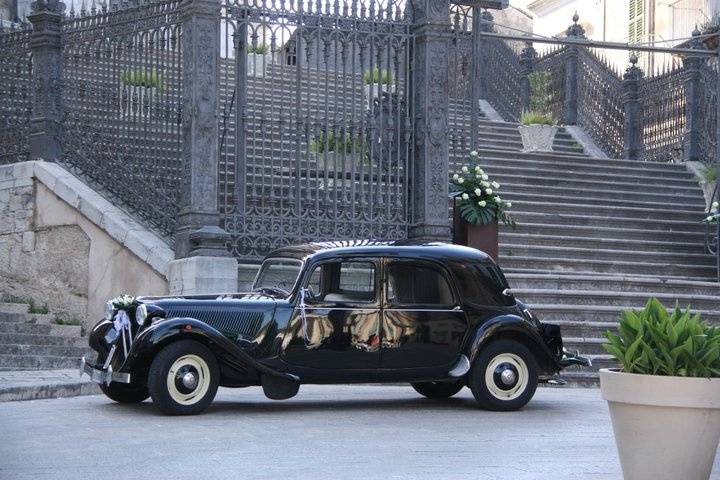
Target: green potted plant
{"points": [[376, 83], [478, 208], [257, 59], [665, 399], [538, 125], [336, 153], [138, 89]]}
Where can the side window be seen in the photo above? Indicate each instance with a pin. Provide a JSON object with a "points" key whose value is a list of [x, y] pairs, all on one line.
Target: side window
{"points": [[343, 282], [483, 284], [417, 284]]}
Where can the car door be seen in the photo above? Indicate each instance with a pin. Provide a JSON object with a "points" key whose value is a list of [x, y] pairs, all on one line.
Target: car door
{"points": [[423, 324], [338, 327]]}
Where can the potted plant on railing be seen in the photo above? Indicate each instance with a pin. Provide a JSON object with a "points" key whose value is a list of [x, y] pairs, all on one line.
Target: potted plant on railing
{"points": [[478, 208], [665, 400], [257, 59], [138, 88], [538, 125], [376, 83], [335, 153]]}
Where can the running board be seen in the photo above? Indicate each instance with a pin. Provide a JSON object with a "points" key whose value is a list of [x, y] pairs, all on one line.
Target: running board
{"points": [[461, 367]]}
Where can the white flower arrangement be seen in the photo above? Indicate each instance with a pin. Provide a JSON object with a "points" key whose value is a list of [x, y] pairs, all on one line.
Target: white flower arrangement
{"points": [[478, 203], [123, 302]]}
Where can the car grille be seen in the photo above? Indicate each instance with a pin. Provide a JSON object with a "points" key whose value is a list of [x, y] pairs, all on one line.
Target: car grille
{"points": [[233, 324]]}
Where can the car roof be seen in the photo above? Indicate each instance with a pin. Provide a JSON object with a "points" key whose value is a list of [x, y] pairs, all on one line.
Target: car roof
{"points": [[398, 248]]}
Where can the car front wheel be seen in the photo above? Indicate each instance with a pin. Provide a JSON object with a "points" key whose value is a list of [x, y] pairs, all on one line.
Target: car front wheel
{"points": [[183, 378], [437, 389], [504, 376]]}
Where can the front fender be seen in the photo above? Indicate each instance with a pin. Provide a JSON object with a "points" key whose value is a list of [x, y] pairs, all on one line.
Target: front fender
{"points": [[152, 339], [516, 328]]}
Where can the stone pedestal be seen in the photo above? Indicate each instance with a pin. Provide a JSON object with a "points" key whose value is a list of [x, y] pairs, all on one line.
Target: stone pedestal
{"points": [[203, 275]]}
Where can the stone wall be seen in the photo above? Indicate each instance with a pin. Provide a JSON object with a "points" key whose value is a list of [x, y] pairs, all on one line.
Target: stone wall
{"points": [[63, 245]]}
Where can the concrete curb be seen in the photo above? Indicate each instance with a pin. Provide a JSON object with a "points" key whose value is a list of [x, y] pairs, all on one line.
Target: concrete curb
{"points": [[42, 384]]}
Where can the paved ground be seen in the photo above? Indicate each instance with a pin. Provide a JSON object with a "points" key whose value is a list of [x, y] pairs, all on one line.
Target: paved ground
{"points": [[326, 432]]}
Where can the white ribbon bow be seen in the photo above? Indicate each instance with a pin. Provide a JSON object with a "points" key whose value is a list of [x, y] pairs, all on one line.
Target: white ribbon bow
{"points": [[121, 322]]}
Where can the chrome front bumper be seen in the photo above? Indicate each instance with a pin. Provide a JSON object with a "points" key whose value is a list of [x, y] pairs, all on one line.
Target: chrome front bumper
{"points": [[102, 374]]}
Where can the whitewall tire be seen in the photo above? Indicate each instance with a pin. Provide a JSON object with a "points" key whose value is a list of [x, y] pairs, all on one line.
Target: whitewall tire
{"points": [[183, 378], [503, 376]]}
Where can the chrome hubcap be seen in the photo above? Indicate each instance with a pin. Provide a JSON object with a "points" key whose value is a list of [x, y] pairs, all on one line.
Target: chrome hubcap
{"points": [[189, 380], [508, 377]]}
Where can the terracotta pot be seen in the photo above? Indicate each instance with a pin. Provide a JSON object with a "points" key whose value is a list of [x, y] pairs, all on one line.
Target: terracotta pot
{"points": [[666, 428], [482, 237]]}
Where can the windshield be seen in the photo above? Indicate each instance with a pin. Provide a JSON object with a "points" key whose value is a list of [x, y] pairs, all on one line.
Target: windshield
{"points": [[278, 275]]}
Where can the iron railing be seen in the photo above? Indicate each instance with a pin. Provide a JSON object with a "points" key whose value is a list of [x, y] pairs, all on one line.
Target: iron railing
{"points": [[16, 92]]}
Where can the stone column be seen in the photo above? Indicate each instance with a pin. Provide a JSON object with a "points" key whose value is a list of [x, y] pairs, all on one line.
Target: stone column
{"points": [[527, 62], [573, 32], [692, 64], [204, 264], [47, 111], [482, 22], [430, 95], [633, 110]]}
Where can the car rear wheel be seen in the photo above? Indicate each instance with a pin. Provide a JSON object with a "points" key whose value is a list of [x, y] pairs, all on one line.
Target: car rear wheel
{"points": [[125, 392], [183, 378], [504, 376], [437, 389]]}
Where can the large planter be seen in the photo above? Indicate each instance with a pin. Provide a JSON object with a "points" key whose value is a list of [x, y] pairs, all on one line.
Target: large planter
{"points": [[537, 138], [666, 428], [375, 90], [482, 237], [338, 166], [256, 65]]}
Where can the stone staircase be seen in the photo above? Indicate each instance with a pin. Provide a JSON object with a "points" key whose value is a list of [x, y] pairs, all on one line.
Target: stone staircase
{"points": [[597, 236], [30, 341]]}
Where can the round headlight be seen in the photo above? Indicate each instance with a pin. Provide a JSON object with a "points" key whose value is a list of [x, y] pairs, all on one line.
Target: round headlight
{"points": [[141, 314], [109, 309]]}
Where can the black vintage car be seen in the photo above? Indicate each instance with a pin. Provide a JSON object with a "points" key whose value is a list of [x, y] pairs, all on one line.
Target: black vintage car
{"points": [[434, 315]]}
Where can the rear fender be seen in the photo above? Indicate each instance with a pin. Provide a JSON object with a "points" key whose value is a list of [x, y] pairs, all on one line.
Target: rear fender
{"points": [[512, 327]]}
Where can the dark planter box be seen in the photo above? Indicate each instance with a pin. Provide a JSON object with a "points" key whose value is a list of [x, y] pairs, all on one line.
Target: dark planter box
{"points": [[482, 237]]}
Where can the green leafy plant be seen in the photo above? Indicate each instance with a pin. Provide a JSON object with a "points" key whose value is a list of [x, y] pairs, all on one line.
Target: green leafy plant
{"points": [[142, 78], [540, 98], [652, 341], [332, 142], [375, 75], [477, 196], [710, 173], [259, 49], [34, 307]]}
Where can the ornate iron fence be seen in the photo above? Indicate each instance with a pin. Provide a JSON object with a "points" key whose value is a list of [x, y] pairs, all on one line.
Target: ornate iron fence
{"points": [[320, 147], [16, 92], [121, 127], [503, 79], [553, 62], [708, 111], [663, 116], [600, 108]]}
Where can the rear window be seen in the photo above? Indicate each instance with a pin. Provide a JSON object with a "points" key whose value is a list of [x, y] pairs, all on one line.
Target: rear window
{"points": [[413, 284], [482, 284]]}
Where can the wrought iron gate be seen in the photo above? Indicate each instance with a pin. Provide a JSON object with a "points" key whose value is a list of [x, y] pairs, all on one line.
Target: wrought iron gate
{"points": [[316, 133]]}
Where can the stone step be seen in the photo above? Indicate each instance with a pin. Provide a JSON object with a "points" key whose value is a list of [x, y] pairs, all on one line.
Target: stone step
{"points": [[694, 204], [550, 157], [575, 253], [647, 180], [555, 313], [36, 339], [585, 231], [6, 307], [609, 283], [586, 346], [508, 236], [36, 362], [580, 379], [39, 318], [544, 296], [607, 184], [40, 329], [44, 350], [590, 166], [582, 193], [584, 329], [651, 225], [578, 265], [569, 208]]}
